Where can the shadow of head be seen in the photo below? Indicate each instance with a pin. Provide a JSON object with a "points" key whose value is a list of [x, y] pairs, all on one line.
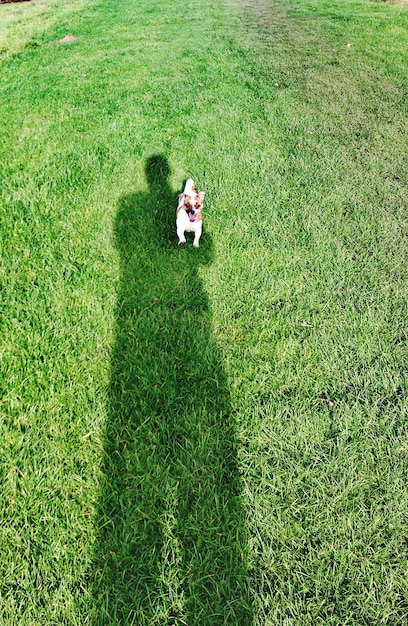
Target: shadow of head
{"points": [[146, 220], [157, 171]]}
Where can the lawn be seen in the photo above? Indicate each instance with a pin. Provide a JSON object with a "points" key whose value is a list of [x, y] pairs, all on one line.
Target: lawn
{"points": [[209, 436]]}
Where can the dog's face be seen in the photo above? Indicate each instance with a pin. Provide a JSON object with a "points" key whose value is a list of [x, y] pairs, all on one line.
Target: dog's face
{"points": [[193, 205]]}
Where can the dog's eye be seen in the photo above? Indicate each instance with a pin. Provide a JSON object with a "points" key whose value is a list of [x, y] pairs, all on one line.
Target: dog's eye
{"points": [[187, 205], [197, 206]]}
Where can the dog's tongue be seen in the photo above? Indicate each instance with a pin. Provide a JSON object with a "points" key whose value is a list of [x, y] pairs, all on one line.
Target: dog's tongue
{"points": [[191, 217]]}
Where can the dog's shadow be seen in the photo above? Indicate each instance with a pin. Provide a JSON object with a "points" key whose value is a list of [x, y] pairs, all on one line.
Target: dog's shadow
{"points": [[170, 526]]}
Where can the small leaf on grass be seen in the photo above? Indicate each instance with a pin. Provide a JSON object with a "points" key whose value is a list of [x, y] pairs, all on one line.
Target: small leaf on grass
{"points": [[305, 324], [68, 39], [83, 437], [326, 401]]}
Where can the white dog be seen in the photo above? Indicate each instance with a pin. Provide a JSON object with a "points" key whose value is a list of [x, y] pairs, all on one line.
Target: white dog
{"points": [[190, 213]]}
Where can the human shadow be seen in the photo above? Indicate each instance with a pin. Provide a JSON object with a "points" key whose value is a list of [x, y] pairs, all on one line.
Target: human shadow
{"points": [[170, 529]]}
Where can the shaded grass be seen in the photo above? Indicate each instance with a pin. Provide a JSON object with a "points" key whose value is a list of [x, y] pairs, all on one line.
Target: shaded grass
{"points": [[300, 142], [172, 539]]}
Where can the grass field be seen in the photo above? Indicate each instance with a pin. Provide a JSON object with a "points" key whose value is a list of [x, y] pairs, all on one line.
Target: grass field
{"points": [[213, 436]]}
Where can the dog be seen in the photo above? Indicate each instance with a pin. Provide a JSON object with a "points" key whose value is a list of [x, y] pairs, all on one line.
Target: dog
{"points": [[189, 215]]}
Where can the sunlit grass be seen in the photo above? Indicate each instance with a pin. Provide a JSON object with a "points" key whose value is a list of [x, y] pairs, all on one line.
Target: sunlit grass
{"points": [[211, 436]]}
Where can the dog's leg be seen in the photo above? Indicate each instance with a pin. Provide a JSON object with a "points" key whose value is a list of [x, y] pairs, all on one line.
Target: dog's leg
{"points": [[197, 236], [180, 235]]}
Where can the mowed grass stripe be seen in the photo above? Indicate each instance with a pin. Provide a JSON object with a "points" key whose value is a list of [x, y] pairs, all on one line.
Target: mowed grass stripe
{"points": [[327, 399]]}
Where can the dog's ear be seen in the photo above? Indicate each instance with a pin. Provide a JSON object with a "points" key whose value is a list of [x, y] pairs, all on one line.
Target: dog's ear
{"points": [[201, 194], [180, 201]]}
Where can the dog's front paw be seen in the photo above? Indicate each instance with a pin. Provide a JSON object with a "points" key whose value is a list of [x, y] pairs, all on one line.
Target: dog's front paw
{"points": [[195, 244], [181, 242]]}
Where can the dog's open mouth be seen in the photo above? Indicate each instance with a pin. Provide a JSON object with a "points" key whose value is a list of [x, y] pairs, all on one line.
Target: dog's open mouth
{"points": [[191, 217]]}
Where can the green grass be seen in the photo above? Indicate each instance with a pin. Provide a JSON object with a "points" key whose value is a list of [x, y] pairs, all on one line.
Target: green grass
{"points": [[211, 436]]}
